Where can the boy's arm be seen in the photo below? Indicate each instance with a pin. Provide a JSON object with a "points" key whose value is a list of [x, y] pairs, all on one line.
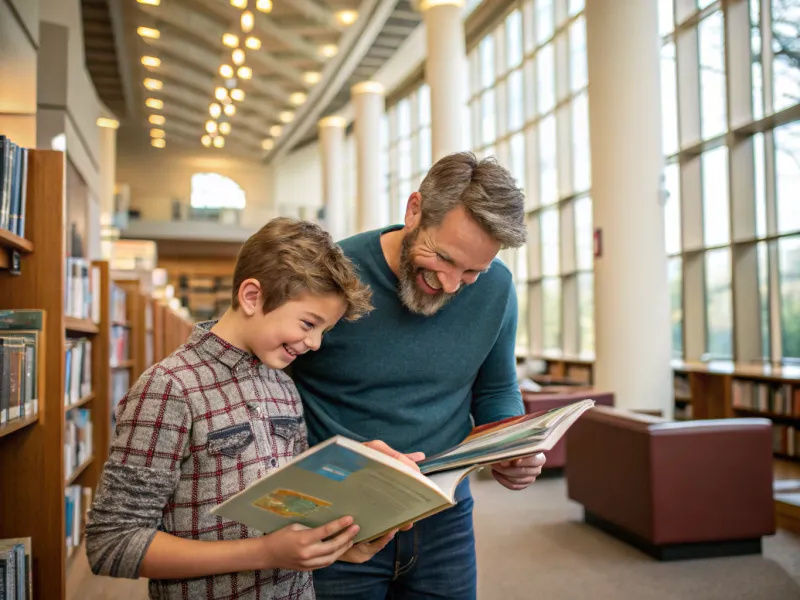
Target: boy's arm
{"points": [[140, 475]]}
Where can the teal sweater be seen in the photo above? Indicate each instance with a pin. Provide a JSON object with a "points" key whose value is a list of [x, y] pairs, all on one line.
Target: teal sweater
{"points": [[410, 380]]}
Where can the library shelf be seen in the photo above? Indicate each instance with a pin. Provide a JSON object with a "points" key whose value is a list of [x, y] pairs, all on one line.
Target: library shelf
{"points": [[78, 471], [81, 402], [73, 325], [17, 424], [11, 241]]}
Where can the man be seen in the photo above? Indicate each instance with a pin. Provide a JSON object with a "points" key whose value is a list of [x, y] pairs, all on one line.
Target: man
{"points": [[436, 354]]}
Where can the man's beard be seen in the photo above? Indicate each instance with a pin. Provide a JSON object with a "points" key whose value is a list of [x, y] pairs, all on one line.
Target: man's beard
{"points": [[411, 296]]}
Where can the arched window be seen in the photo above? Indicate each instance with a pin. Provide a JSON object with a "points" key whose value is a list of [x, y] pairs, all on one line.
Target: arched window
{"points": [[215, 191]]}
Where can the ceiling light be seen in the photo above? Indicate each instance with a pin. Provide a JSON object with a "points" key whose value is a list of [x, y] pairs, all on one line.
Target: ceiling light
{"points": [[206, 141], [150, 2], [253, 43], [219, 142], [328, 50], [311, 77], [238, 56], [149, 32], [154, 103], [159, 142], [211, 126], [264, 5], [226, 71], [286, 116], [297, 98], [268, 144], [237, 94], [220, 93], [245, 72], [347, 17], [151, 61], [153, 84], [107, 123], [275, 130], [239, 3], [230, 109], [224, 128], [157, 119], [230, 40], [248, 21], [157, 133], [215, 110]]}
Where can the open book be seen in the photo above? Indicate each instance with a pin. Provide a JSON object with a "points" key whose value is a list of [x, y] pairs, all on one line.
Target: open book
{"points": [[341, 477]]}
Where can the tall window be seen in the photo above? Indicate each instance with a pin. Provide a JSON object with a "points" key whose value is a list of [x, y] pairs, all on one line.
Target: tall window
{"points": [[730, 94], [408, 149], [215, 191], [529, 107]]}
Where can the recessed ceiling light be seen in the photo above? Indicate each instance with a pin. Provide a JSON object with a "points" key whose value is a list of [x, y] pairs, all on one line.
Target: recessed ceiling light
{"points": [[311, 77], [151, 61], [238, 57], [245, 72], [107, 123], [264, 5], [237, 94], [215, 110], [286, 116], [157, 119], [347, 17], [253, 42], [226, 71], [149, 32], [328, 50], [219, 142], [239, 3], [156, 133], [230, 40], [158, 142], [150, 2], [297, 98], [220, 93], [268, 144], [211, 126], [153, 84], [230, 109], [275, 130], [247, 21], [206, 140], [224, 128], [154, 103]]}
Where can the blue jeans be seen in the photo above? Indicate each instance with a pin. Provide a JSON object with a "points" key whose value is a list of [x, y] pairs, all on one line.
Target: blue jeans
{"points": [[435, 559]]}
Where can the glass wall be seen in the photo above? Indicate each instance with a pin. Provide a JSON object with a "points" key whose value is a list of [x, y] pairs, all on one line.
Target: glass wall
{"points": [[730, 94]]}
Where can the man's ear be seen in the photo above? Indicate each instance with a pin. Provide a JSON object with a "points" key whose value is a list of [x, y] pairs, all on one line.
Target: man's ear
{"points": [[413, 210], [250, 297]]}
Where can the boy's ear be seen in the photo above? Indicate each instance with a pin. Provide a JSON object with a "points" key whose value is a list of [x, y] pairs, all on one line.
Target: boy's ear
{"points": [[250, 297]]}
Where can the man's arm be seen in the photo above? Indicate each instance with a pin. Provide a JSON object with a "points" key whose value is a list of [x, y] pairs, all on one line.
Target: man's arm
{"points": [[495, 393]]}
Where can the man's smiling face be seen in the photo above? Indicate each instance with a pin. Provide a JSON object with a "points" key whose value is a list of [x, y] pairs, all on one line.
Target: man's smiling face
{"points": [[436, 261]]}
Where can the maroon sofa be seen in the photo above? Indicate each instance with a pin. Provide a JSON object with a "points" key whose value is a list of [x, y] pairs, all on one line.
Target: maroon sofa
{"points": [[676, 490], [555, 397]]}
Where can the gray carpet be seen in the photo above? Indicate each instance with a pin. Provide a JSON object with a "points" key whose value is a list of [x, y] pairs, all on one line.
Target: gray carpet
{"points": [[533, 545]]}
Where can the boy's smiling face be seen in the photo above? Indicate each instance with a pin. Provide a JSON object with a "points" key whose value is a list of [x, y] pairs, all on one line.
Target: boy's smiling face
{"points": [[294, 328]]}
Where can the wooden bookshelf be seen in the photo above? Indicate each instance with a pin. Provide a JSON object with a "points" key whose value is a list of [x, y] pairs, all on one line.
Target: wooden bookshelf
{"points": [[85, 326], [17, 424], [563, 369], [9, 242], [82, 402]]}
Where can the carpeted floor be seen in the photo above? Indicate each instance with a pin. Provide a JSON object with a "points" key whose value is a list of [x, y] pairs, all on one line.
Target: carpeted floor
{"points": [[533, 545]]}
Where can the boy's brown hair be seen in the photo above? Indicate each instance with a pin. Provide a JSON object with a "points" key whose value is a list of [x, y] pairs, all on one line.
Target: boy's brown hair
{"points": [[288, 257]]}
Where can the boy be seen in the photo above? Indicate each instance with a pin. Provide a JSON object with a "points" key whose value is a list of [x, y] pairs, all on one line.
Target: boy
{"points": [[218, 414]]}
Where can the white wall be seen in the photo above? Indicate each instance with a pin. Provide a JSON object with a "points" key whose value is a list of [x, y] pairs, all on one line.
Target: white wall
{"points": [[298, 182], [18, 40]]}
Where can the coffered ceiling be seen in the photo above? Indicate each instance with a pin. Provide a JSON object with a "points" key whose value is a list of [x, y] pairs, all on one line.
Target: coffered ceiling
{"points": [[256, 74]]}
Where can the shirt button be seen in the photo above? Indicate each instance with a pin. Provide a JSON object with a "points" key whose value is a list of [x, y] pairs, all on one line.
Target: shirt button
{"points": [[273, 461]]}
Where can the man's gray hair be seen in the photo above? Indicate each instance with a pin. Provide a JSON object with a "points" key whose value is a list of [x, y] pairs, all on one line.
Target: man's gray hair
{"points": [[484, 188]]}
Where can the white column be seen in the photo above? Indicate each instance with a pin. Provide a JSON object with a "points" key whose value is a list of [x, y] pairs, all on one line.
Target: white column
{"points": [[108, 169], [368, 102], [331, 144], [445, 74], [632, 323]]}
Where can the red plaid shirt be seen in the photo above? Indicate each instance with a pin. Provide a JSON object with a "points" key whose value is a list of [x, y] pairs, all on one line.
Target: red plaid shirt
{"points": [[195, 429]]}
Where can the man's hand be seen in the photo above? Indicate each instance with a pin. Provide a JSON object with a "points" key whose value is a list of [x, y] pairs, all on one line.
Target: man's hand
{"points": [[410, 460], [361, 553], [519, 473], [299, 548]]}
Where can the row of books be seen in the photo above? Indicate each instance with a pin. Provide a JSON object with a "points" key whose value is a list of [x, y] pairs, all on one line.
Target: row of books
{"points": [[19, 345], [77, 439], [120, 344], [776, 398], [683, 412], [78, 368], [786, 440], [81, 289], [13, 186], [77, 502], [120, 384], [16, 569], [119, 312]]}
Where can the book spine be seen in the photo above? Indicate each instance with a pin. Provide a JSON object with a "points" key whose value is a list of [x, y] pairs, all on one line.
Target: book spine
{"points": [[5, 375], [23, 198], [4, 200]]}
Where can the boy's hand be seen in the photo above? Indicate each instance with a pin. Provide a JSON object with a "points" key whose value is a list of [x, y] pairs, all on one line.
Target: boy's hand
{"points": [[298, 548], [409, 460], [361, 553]]}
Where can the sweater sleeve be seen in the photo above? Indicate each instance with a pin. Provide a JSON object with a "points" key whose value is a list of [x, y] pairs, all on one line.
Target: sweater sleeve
{"points": [[140, 475], [495, 393]]}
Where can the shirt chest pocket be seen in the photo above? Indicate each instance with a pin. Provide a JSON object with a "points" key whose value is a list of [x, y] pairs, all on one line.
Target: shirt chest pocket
{"points": [[230, 441], [288, 436]]}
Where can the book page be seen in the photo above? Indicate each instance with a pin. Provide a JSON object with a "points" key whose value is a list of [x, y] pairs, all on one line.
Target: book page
{"points": [[328, 482]]}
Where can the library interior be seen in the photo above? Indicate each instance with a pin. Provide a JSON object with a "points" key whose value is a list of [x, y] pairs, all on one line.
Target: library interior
{"points": [[657, 145]]}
